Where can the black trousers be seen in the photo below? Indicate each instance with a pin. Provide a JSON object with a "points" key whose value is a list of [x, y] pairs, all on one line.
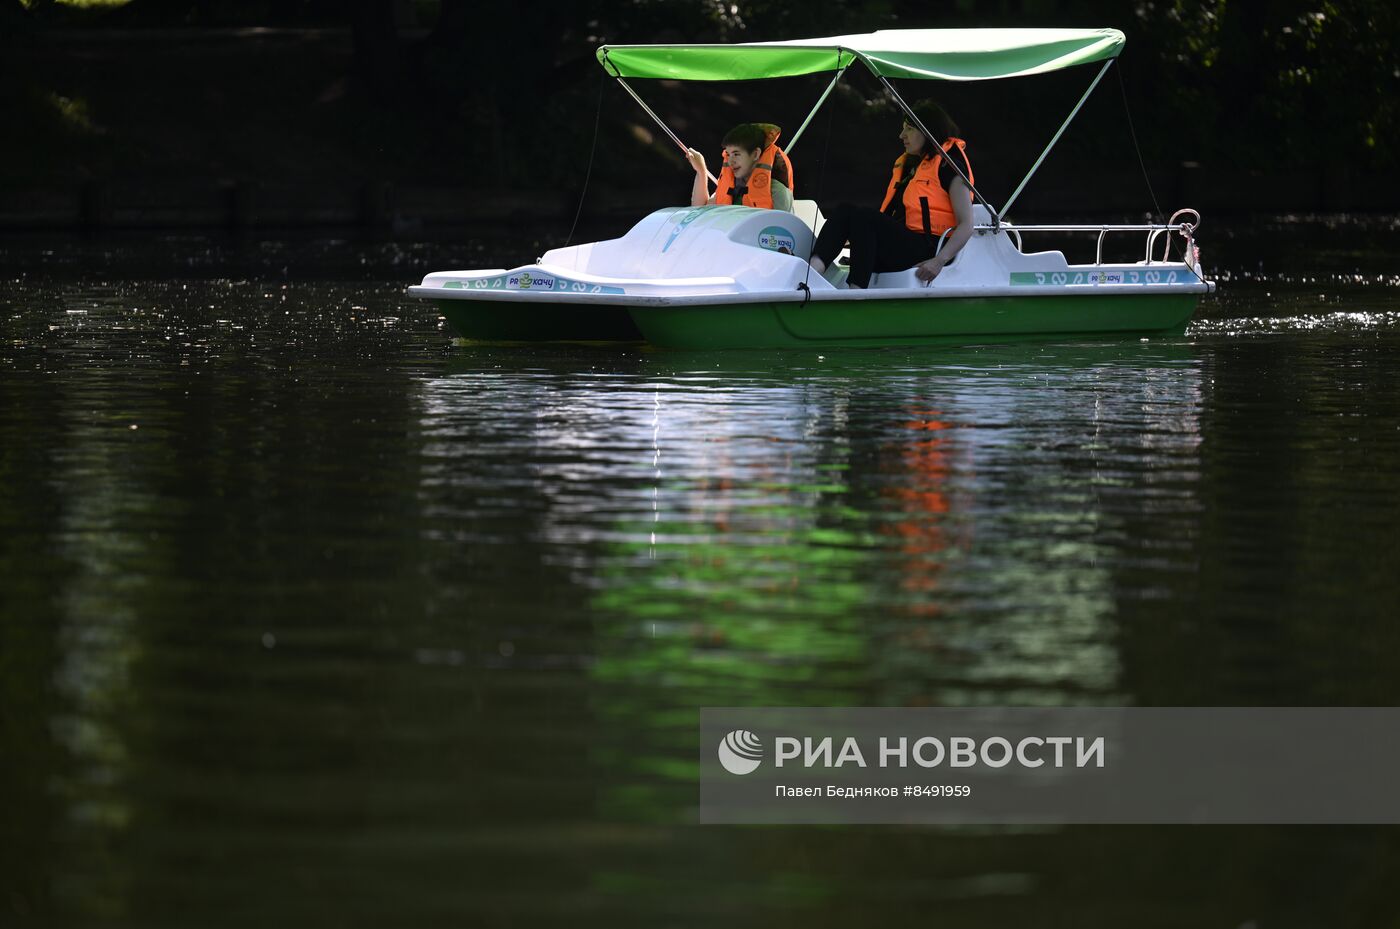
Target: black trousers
{"points": [[878, 243]]}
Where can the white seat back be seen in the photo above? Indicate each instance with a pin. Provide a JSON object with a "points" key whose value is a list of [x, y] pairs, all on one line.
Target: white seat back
{"points": [[809, 213]]}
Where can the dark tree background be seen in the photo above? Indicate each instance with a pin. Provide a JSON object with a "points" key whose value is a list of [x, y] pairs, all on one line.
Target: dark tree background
{"points": [[504, 95]]}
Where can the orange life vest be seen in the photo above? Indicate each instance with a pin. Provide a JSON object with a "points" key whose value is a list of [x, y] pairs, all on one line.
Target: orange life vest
{"points": [[927, 208], [760, 183]]}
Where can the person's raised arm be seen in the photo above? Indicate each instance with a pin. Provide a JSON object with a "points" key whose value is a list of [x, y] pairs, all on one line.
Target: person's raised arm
{"points": [[962, 209], [700, 190]]}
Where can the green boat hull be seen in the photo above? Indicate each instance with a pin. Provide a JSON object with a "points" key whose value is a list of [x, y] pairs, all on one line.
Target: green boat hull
{"points": [[500, 321], [919, 321], [829, 323]]}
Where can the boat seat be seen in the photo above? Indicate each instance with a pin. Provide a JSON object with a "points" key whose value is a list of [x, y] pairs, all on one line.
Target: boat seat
{"points": [[809, 213], [894, 280]]}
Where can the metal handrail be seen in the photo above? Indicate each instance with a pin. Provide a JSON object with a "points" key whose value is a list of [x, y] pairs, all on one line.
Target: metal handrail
{"points": [[1185, 229], [1088, 227]]}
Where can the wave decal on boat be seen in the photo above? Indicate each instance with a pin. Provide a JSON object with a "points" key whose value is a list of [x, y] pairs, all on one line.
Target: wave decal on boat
{"points": [[1095, 278], [685, 221], [533, 280]]}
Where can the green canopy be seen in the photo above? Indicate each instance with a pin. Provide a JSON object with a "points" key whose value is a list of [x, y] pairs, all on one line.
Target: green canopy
{"points": [[931, 54]]}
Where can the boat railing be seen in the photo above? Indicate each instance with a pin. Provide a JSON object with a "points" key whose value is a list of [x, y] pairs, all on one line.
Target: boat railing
{"points": [[1186, 230]]}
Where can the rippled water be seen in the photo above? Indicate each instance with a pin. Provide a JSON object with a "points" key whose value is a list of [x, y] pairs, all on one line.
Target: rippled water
{"points": [[308, 615]]}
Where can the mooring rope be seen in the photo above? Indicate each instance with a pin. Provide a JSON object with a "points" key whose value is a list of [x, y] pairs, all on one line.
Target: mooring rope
{"points": [[1133, 132], [592, 149]]}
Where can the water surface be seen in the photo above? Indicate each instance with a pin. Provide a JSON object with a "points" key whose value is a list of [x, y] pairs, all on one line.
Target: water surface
{"points": [[308, 614]]}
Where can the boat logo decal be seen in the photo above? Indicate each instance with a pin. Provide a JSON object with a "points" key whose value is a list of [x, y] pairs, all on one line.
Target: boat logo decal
{"points": [[686, 220], [777, 239], [1091, 278]]}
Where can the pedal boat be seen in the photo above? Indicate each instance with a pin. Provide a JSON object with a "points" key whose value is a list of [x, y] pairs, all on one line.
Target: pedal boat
{"points": [[724, 277]]}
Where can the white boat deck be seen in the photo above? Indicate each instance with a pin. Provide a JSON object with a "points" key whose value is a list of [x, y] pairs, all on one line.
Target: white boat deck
{"points": [[727, 254]]}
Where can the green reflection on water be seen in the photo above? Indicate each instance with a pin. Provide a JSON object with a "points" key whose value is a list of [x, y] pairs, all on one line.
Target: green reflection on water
{"points": [[379, 636], [908, 582]]}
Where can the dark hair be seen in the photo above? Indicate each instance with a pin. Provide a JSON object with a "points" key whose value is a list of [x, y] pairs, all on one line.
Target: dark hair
{"points": [[750, 136], [937, 120]]}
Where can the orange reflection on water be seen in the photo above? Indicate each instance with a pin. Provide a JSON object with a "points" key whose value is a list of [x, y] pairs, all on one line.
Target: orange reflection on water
{"points": [[919, 491]]}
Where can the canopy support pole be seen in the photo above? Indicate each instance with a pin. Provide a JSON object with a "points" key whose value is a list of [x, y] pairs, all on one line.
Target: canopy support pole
{"points": [[826, 93], [685, 149], [952, 162], [1073, 113]]}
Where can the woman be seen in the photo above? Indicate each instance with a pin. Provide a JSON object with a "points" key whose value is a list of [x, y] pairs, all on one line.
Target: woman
{"points": [[756, 172], [924, 199]]}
